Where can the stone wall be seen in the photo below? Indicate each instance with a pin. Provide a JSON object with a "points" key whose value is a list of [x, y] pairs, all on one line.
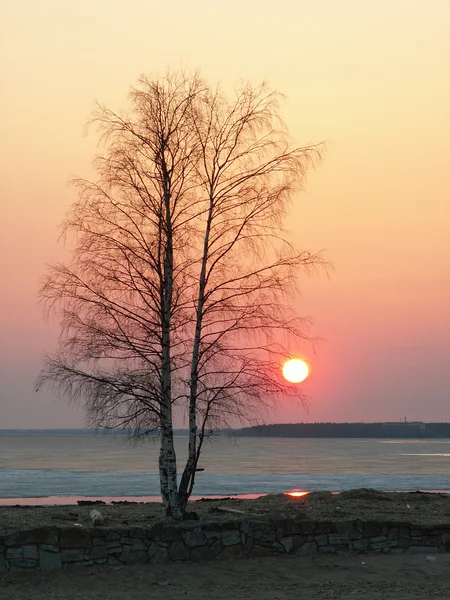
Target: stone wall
{"points": [[50, 547]]}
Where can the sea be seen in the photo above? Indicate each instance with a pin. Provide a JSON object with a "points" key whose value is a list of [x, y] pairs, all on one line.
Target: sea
{"points": [[60, 467]]}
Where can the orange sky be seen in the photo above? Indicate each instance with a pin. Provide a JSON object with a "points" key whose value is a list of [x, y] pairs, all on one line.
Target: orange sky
{"points": [[370, 76]]}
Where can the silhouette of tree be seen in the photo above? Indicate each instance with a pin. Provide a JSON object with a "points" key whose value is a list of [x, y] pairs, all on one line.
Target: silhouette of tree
{"points": [[177, 294]]}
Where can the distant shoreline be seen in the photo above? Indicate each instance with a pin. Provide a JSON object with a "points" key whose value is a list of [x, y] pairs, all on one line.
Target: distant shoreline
{"points": [[403, 430]]}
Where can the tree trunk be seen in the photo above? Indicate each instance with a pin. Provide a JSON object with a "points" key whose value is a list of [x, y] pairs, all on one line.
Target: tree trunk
{"points": [[168, 461], [168, 476], [188, 478]]}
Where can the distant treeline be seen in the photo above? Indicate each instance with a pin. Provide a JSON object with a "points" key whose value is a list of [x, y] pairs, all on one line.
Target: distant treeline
{"points": [[400, 430]]}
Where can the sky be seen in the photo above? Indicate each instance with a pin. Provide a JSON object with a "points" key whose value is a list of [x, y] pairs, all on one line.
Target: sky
{"points": [[371, 77]]}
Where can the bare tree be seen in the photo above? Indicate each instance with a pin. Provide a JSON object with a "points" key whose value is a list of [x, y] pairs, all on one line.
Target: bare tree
{"points": [[177, 296]]}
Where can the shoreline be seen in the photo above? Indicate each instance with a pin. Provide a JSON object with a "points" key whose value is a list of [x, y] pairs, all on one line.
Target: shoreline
{"points": [[108, 500], [30, 501]]}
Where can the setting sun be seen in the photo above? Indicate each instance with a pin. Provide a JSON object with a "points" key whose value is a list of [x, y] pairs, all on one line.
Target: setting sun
{"points": [[295, 370], [296, 494]]}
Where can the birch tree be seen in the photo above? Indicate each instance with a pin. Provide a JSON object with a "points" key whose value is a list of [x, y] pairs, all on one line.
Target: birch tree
{"points": [[178, 295]]}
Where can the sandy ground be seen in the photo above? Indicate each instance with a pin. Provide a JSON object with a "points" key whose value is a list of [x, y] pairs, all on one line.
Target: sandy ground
{"points": [[414, 507], [334, 577]]}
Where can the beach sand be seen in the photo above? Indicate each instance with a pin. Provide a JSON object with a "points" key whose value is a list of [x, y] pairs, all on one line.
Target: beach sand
{"points": [[342, 577]]}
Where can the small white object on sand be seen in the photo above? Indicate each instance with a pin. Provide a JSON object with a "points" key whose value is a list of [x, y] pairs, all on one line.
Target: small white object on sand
{"points": [[96, 517]]}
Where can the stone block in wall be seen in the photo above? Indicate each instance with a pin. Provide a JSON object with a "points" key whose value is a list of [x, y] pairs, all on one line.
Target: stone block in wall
{"points": [[259, 530], [324, 527], [287, 542], [393, 533], [230, 538], [137, 533], [45, 535], [178, 551], [40, 535], [191, 524], [99, 541], [158, 555], [124, 540], [420, 549], [48, 548], [284, 526], [405, 531], [114, 548], [17, 538], [153, 548], [138, 545], [12, 553], [195, 538], [360, 545], [358, 525], [2, 563], [260, 550], [154, 533], [306, 548], [247, 544], [231, 552], [297, 541], [383, 545], [170, 534], [74, 537], [427, 540], [377, 538], [115, 534], [23, 564], [139, 557], [30, 552], [345, 527], [418, 532], [321, 539], [73, 554], [111, 534], [326, 549], [207, 552], [219, 525], [98, 552], [446, 541], [212, 536], [125, 554], [96, 532], [49, 560], [372, 529], [278, 547], [305, 527], [338, 538]]}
